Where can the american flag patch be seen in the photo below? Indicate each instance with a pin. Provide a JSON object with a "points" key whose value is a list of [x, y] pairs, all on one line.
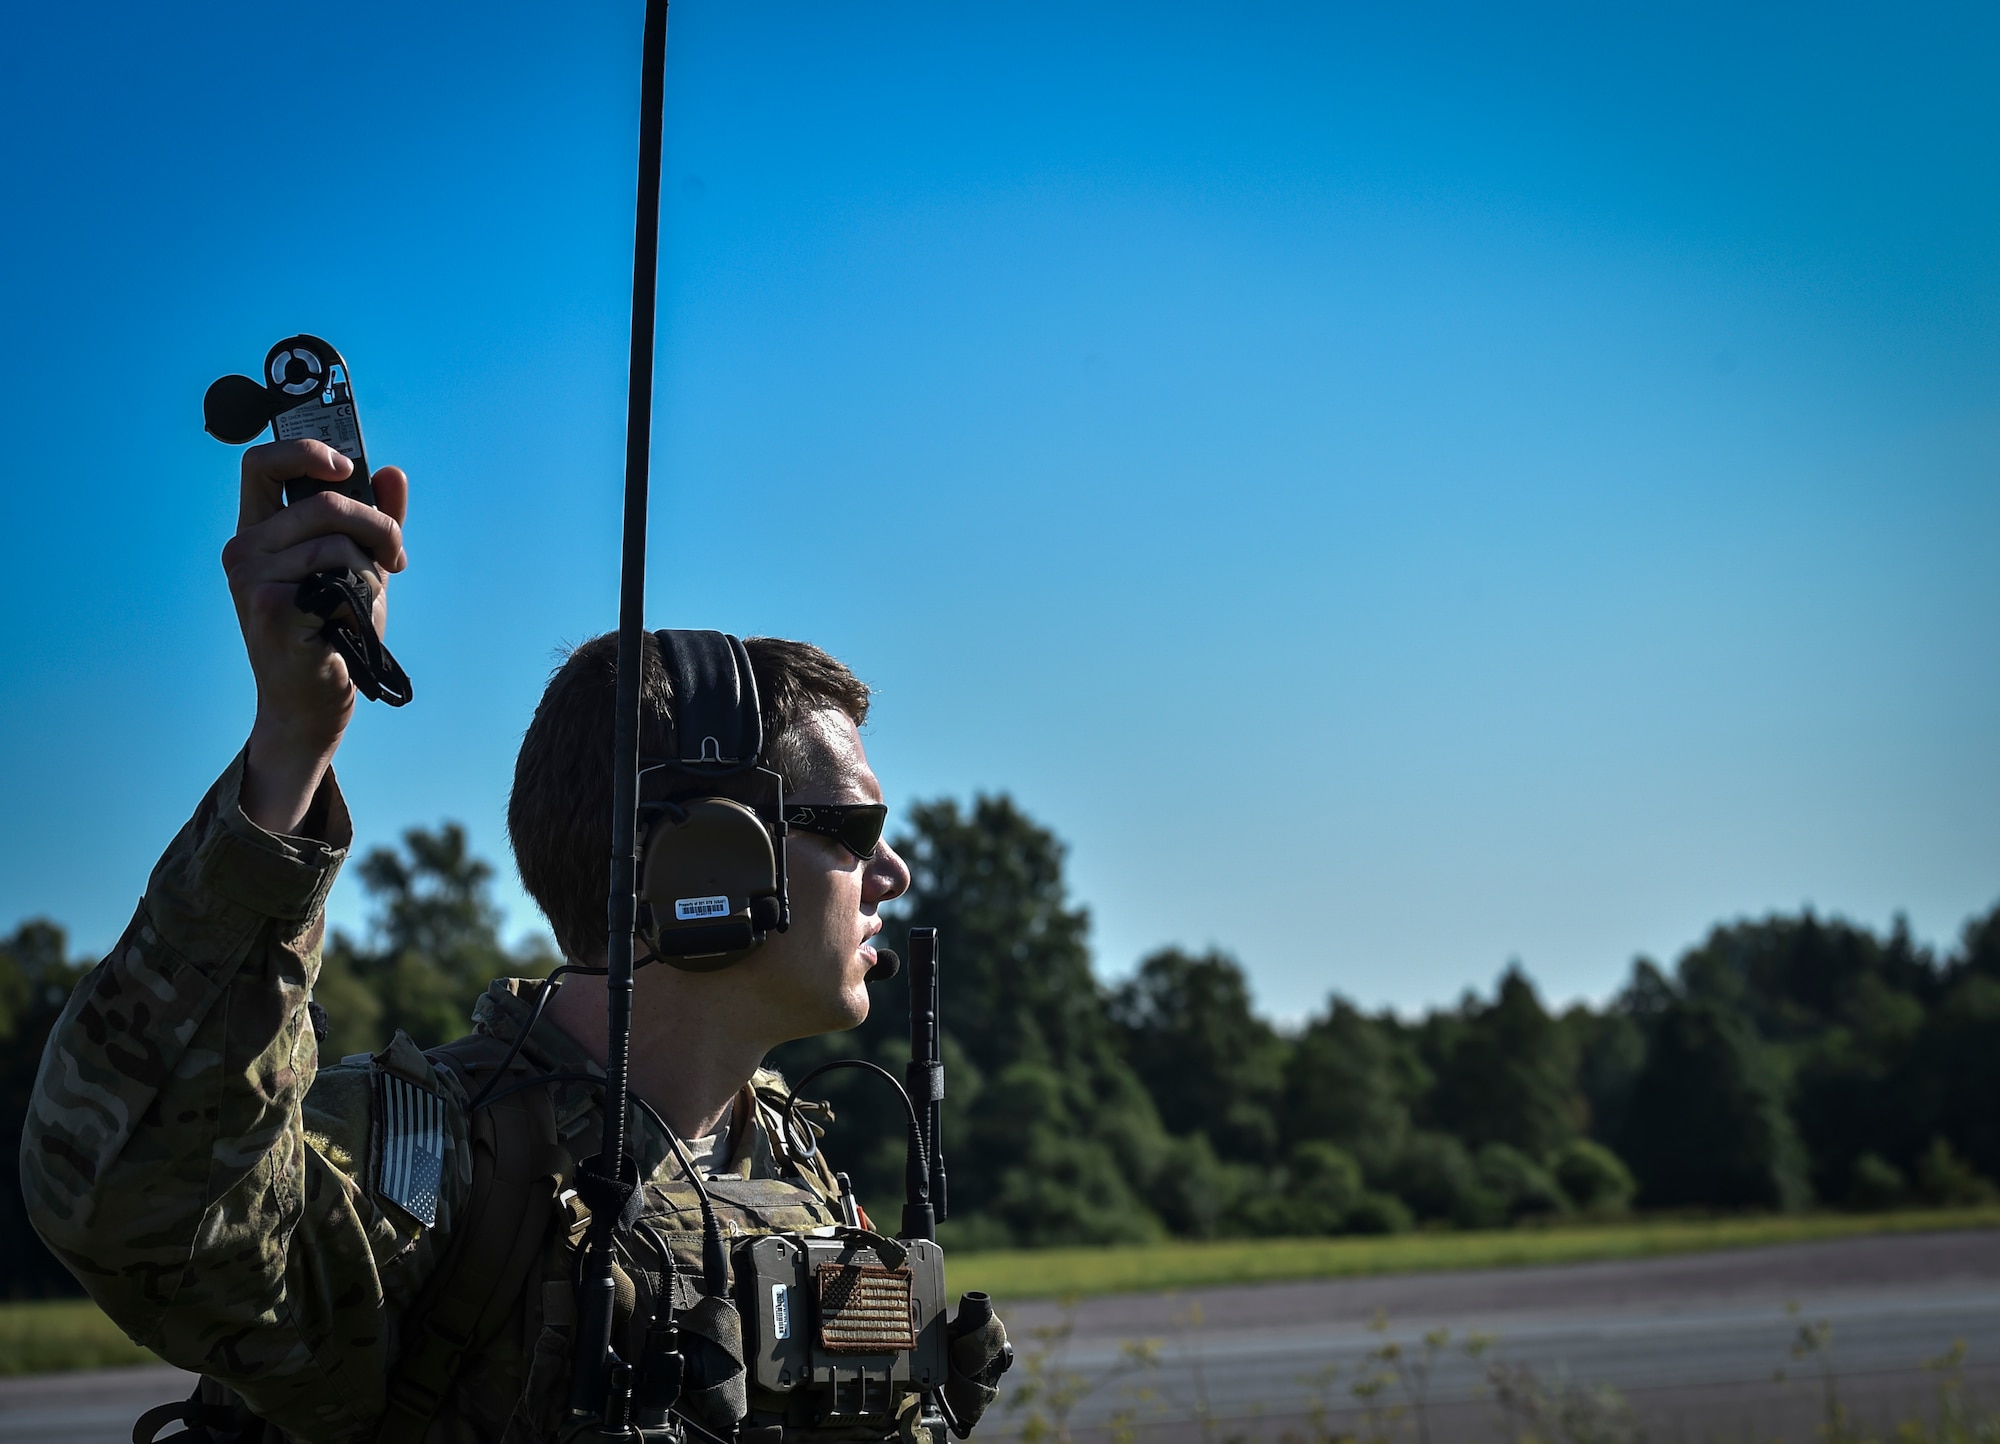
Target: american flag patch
{"points": [[409, 1160]]}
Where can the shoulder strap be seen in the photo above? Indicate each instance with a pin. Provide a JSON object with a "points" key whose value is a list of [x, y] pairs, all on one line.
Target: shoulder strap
{"points": [[518, 1165]]}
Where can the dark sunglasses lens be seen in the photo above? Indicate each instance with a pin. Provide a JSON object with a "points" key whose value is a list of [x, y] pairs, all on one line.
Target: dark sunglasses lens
{"points": [[861, 829]]}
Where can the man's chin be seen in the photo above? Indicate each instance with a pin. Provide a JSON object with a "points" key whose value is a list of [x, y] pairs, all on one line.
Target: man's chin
{"points": [[856, 1007], [844, 1013]]}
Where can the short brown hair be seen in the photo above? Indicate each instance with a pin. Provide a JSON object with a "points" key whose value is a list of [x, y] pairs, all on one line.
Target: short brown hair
{"points": [[559, 813]]}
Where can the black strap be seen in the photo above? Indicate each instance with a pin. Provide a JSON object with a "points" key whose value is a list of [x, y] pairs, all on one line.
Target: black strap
{"points": [[620, 1198], [201, 1422], [715, 697], [376, 674], [715, 1392]]}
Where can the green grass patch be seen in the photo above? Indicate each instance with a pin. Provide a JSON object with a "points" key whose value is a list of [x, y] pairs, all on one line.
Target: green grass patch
{"points": [[1157, 1268], [46, 1336]]}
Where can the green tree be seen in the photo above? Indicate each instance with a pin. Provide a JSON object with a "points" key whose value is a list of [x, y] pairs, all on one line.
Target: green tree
{"points": [[1793, 979], [1839, 1010], [1211, 1065], [1707, 1123], [1593, 1177], [1438, 1178], [433, 944], [36, 978], [1523, 1186], [1610, 1052], [1197, 1195], [1350, 1080], [1506, 1073], [1315, 1192], [1953, 1074]]}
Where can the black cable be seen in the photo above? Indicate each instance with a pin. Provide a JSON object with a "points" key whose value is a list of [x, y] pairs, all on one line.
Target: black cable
{"points": [[680, 1150], [673, 1139], [669, 1267], [916, 1172], [542, 995], [792, 1099], [714, 1261], [538, 1081]]}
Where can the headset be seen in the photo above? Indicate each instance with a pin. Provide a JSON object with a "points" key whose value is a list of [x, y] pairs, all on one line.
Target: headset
{"points": [[711, 821]]}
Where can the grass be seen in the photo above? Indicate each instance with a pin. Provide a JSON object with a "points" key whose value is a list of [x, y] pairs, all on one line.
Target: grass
{"points": [[1157, 1268], [44, 1337]]}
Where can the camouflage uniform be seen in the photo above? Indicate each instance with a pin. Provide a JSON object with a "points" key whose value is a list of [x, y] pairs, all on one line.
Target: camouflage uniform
{"points": [[219, 1194]]}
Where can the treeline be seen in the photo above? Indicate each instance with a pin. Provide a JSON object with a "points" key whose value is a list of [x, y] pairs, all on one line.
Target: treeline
{"points": [[1782, 1063]]}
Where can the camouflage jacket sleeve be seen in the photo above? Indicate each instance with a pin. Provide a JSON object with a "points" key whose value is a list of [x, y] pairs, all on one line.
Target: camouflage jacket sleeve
{"points": [[170, 1156]]}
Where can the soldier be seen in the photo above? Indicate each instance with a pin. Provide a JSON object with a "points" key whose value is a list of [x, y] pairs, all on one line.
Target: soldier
{"points": [[324, 1244]]}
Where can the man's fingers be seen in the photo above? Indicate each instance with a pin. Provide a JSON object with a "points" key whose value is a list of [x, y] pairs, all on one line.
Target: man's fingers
{"points": [[322, 515], [267, 468], [293, 565], [277, 527], [392, 494]]}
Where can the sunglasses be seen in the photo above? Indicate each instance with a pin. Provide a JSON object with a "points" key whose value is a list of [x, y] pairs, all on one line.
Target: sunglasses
{"points": [[855, 826]]}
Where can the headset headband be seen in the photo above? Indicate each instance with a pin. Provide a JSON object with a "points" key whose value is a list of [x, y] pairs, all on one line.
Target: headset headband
{"points": [[716, 717]]}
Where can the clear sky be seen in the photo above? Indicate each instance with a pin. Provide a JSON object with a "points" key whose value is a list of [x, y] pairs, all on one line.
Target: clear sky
{"points": [[1396, 488]]}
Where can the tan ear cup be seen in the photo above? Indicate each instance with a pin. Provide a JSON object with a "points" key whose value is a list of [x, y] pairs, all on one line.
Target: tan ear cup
{"points": [[710, 883]]}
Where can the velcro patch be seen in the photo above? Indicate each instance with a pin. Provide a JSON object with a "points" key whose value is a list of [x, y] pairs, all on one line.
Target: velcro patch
{"points": [[865, 1310], [409, 1159]]}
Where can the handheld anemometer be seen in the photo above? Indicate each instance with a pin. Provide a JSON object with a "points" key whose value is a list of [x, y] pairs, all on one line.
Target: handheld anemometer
{"points": [[308, 395]]}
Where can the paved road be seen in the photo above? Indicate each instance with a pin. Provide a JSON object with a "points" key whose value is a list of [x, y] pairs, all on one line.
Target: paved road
{"points": [[90, 1406], [1691, 1343]]}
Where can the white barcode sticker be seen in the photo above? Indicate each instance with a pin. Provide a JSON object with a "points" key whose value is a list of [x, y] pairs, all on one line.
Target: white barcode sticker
{"points": [[693, 909]]}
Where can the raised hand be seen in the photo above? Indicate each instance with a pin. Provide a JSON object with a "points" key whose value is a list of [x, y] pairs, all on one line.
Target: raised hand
{"points": [[304, 695]]}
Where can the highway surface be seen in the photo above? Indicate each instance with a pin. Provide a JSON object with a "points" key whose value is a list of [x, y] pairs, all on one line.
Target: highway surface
{"points": [[1690, 1343]]}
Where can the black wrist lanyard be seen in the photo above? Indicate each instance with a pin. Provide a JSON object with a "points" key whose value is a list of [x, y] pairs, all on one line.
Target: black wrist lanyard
{"points": [[345, 601]]}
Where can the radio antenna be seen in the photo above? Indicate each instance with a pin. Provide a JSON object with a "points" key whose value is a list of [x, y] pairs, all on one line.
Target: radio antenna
{"points": [[597, 1369], [924, 1076]]}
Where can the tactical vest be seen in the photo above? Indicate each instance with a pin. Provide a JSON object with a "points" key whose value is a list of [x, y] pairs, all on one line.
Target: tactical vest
{"points": [[484, 1352]]}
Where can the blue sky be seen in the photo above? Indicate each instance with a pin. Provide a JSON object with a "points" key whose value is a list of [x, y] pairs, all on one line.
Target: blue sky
{"points": [[1396, 490]]}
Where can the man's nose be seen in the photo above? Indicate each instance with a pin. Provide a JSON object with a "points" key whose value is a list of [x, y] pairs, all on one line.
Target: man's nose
{"points": [[887, 878]]}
